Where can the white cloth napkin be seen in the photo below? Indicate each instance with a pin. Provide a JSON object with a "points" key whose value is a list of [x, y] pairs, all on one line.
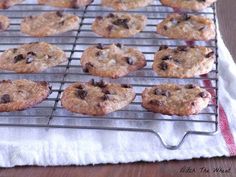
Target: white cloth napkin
{"points": [[23, 146]]}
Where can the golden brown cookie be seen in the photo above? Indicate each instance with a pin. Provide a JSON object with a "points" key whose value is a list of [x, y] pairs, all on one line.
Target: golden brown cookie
{"points": [[49, 24], [96, 98], [66, 3], [5, 4], [4, 23], [112, 61], [119, 25], [32, 58], [19, 95], [187, 27], [171, 99], [183, 61], [120, 5], [188, 4]]}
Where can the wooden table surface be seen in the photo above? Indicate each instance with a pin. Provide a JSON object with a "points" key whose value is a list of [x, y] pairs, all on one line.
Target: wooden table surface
{"points": [[191, 168]]}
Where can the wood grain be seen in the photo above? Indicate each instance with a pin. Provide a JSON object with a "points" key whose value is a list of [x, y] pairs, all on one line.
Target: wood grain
{"points": [[227, 19]]}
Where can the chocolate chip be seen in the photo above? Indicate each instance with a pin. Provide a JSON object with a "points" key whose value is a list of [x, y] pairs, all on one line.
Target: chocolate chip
{"points": [[162, 92], [18, 58], [157, 91], [14, 50], [100, 84], [99, 46], [82, 93], [202, 28], [110, 15], [105, 97], [182, 48], [105, 91], [165, 27], [1, 26], [99, 18], [98, 53], [62, 22], [5, 99], [193, 104], [79, 87], [201, 0], [119, 45], [30, 57], [87, 67], [31, 53], [59, 14], [203, 94], [163, 66], [126, 86], [162, 47], [155, 102], [167, 57], [185, 17], [121, 22], [190, 86], [176, 61], [109, 28], [209, 54], [129, 60]]}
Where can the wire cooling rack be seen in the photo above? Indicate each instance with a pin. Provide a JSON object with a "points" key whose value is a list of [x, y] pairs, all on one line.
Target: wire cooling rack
{"points": [[133, 118]]}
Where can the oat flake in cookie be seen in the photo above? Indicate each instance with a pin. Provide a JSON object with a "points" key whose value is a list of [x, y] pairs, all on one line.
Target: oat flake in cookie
{"points": [[112, 61], [188, 4], [32, 58], [120, 5], [187, 27], [49, 24], [119, 25], [171, 99], [19, 95], [66, 3], [4, 23], [96, 98], [5, 4], [183, 61]]}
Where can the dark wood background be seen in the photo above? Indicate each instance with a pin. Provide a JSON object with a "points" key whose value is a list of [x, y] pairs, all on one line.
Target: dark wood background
{"points": [[227, 19]]}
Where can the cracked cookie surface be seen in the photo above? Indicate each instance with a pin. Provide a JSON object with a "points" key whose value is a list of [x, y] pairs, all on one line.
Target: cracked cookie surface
{"points": [[112, 61], [49, 24], [32, 58], [188, 4], [96, 98], [183, 61], [66, 3], [187, 27], [19, 95], [172, 99], [120, 5], [119, 25]]}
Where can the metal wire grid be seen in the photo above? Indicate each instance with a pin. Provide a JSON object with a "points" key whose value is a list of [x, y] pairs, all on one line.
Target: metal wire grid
{"points": [[133, 118]]}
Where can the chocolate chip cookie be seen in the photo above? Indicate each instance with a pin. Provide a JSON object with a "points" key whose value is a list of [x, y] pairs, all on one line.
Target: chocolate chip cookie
{"points": [[19, 95], [171, 99], [32, 58], [96, 98], [49, 24], [4, 23], [188, 4], [120, 5], [112, 61], [187, 27], [183, 61], [5, 4], [66, 3], [119, 25]]}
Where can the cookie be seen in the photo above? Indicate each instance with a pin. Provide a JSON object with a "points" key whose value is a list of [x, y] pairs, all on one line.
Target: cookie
{"points": [[19, 95], [49, 24], [5, 4], [119, 25], [4, 23], [122, 5], [171, 99], [183, 61], [96, 98], [66, 3], [112, 61], [32, 58], [188, 4], [187, 27]]}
